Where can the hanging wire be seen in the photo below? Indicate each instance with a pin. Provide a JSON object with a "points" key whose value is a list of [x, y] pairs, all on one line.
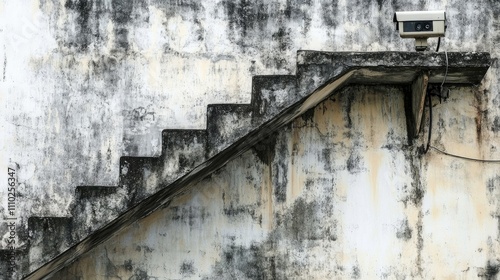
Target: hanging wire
{"points": [[428, 98], [464, 157]]}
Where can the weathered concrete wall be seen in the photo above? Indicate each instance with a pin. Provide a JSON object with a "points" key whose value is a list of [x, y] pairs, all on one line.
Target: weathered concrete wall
{"points": [[314, 200], [85, 82], [336, 194]]}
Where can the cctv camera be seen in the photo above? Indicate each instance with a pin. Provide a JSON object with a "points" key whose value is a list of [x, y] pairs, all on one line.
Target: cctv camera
{"points": [[420, 25]]}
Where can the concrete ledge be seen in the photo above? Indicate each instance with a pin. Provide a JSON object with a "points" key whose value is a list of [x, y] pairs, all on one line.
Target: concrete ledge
{"points": [[390, 67]]}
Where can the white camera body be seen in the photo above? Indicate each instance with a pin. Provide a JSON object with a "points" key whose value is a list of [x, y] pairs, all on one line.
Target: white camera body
{"points": [[420, 25]]}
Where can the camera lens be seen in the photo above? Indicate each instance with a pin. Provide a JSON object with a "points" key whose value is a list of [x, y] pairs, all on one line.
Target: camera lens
{"points": [[427, 26], [418, 26]]}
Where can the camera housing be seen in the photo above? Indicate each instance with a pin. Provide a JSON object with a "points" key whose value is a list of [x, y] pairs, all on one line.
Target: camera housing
{"points": [[420, 25]]}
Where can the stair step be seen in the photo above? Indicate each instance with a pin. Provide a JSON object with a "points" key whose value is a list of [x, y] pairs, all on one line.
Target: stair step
{"points": [[271, 95], [10, 263], [48, 236], [94, 207], [227, 123], [138, 176], [183, 149]]}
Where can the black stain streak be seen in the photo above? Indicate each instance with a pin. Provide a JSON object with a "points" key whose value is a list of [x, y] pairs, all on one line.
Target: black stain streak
{"points": [[140, 275], [309, 184], [122, 11], [308, 117], [265, 149], [183, 162], [283, 38], [241, 261], [298, 10], [354, 162], [244, 15], [356, 273], [302, 222], [413, 158], [280, 172], [190, 215], [233, 211], [495, 127], [420, 242], [417, 195], [347, 109], [394, 142], [303, 225], [179, 7], [83, 8], [111, 269], [187, 268], [4, 63], [490, 271], [105, 66], [128, 265], [480, 114], [404, 231], [380, 4], [493, 183], [329, 14], [269, 22]]}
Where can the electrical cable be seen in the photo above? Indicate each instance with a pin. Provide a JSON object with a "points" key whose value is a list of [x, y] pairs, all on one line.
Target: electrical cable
{"points": [[467, 158], [428, 98]]}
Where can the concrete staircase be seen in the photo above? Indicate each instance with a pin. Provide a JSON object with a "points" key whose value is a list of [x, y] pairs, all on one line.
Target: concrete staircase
{"points": [[149, 183]]}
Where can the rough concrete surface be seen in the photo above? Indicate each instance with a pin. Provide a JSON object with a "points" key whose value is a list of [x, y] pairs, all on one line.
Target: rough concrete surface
{"points": [[83, 83], [323, 198], [141, 174]]}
